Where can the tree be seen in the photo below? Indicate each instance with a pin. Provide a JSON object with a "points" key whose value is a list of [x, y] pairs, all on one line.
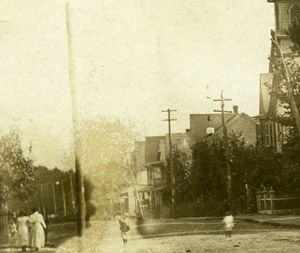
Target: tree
{"points": [[182, 169], [205, 179], [103, 146], [16, 170]]}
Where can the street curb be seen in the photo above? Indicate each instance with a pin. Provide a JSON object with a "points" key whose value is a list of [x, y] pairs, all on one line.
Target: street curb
{"points": [[8, 246], [200, 218], [270, 223], [219, 232]]}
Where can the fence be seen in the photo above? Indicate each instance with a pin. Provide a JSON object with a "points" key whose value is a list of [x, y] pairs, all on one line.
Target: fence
{"points": [[269, 203], [3, 227]]}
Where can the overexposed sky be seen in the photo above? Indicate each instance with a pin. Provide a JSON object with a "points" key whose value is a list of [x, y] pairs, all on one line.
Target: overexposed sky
{"points": [[133, 58]]}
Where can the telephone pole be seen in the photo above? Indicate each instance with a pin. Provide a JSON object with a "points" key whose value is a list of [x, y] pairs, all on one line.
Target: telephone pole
{"points": [[172, 178], [79, 175], [229, 176]]}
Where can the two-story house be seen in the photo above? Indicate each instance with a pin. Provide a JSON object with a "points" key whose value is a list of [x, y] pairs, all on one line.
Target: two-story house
{"points": [[148, 179], [149, 162]]}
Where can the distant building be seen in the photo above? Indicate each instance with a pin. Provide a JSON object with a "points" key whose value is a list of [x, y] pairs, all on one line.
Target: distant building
{"points": [[235, 122], [149, 162], [139, 175], [149, 175], [157, 176]]}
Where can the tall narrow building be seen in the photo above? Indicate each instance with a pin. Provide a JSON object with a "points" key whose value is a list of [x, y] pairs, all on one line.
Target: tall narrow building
{"points": [[269, 132]]}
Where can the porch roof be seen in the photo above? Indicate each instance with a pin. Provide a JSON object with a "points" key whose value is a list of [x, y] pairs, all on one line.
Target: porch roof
{"points": [[154, 163]]}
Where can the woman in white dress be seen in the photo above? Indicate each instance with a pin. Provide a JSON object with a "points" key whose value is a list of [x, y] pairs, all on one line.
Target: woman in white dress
{"points": [[37, 234], [22, 228]]}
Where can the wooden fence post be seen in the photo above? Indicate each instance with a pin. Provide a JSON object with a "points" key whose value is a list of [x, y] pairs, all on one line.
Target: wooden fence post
{"points": [[3, 223], [258, 201], [272, 193], [265, 193]]}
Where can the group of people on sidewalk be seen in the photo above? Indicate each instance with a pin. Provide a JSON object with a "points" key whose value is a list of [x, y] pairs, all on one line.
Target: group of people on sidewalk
{"points": [[30, 230]]}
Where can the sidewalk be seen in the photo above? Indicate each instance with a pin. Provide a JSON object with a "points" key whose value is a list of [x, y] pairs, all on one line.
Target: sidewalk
{"points": [[284, 221], [11, 246], [56, 233]]}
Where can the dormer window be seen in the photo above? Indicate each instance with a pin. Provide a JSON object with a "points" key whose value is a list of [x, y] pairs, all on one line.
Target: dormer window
{"points": [[294, 13]]}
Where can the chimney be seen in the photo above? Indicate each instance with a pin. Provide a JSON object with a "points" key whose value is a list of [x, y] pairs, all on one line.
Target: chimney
{"points": [[210, 130], [235, 109]]}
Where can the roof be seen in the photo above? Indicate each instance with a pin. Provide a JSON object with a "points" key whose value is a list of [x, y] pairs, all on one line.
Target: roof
{"points": [[199, 123], [234, 119], [152, 148]]}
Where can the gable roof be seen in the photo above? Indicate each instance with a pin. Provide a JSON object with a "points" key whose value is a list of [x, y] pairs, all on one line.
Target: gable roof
{"points": [[232, 120], [199, 123]]}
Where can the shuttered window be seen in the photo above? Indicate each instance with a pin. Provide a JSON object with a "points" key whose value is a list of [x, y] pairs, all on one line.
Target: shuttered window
{"points": [[258, 135], [265, 134]]}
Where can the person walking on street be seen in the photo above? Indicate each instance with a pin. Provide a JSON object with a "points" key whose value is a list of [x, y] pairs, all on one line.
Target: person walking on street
{"points": [[22, 228], [229, 224], [37, 234], [124, 227]]}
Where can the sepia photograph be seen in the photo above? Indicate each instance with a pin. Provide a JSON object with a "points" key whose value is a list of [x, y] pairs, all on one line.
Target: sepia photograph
{"points": [[149, 126]]}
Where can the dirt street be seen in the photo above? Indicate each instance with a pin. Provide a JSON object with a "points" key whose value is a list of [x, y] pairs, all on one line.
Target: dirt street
{"points": [[105, 237]]}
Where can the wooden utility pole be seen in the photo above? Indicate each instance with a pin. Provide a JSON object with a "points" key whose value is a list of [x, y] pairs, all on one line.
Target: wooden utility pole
{"points": [[54, 199], [172, 177], [79, 176], [229, 176], [64, 198], [287, 76], [72, 193]]}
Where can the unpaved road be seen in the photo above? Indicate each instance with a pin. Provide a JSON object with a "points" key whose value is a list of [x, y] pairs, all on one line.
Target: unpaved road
{"points": [[179, 236]]}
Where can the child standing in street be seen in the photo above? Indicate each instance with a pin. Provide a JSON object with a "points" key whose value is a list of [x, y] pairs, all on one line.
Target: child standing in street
{"points": [[124, 227], [229, 224]]}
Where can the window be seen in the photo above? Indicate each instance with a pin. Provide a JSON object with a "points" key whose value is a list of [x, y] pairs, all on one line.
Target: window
{"points": [[157, 177], [276, 16], [265, 134], [271, 135], [144, 198], [294, 13], [258, 134], [150, 176]]}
